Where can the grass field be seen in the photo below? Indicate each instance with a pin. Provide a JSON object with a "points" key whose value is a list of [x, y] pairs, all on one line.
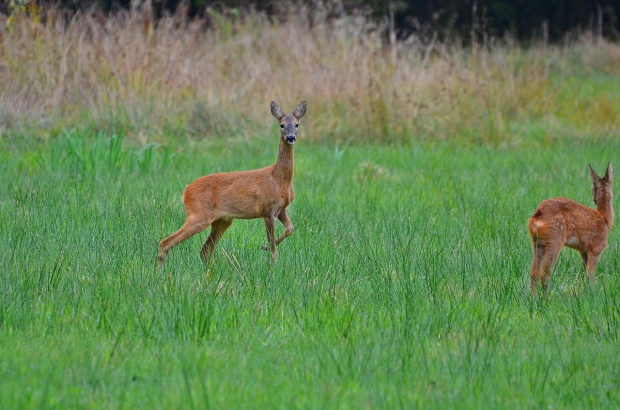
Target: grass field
{"points": [[405, 283]]}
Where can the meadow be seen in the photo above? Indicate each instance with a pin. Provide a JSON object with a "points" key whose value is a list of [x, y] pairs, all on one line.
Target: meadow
{"points": [[406, 281]]}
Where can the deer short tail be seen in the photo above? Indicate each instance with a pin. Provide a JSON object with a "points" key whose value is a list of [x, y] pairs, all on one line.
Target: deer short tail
{"points": [[534, 225], [539, 229]]}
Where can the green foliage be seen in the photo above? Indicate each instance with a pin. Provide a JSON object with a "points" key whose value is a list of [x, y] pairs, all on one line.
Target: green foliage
{"points": [[99, 154], [405, 283]]}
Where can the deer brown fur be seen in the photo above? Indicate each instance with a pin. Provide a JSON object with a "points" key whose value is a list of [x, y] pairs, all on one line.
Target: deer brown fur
{"points": [[216, 200], [559, 222]]}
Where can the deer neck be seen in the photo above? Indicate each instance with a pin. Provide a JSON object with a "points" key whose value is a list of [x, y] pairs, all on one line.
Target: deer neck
{"points": [[605, 207], [283, 169]]}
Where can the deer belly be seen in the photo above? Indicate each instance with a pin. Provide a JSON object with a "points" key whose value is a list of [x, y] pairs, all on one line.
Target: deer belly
{"points": [[241, 208], [573, 241]]}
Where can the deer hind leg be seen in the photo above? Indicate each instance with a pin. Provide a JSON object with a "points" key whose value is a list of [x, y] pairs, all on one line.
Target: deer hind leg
{"points": [[218, 228], [538, 251], [548, 262], [543, 261], [270, 223], [192, 226]]}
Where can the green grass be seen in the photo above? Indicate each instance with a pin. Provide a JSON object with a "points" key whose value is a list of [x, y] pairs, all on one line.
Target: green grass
{"points": [[405, 284]]}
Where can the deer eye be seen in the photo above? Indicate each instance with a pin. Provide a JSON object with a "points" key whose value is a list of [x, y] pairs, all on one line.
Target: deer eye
{"points": [[281, 125], [296, 125]]}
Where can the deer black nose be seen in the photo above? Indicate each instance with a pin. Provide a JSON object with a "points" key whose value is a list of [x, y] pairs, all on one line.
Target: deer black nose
{"points": [[290, 138]]}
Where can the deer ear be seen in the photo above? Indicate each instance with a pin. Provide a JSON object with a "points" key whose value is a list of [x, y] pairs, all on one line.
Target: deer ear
{"points": [[276, 111], [593, 174], [300, 110], [609, 173]]}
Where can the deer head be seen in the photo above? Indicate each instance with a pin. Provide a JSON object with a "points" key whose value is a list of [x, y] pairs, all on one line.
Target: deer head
{"points": [[602, 186], [289, 123]]}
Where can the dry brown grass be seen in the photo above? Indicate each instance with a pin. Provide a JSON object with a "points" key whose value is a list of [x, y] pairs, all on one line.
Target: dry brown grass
{"points": [[120, 74]]}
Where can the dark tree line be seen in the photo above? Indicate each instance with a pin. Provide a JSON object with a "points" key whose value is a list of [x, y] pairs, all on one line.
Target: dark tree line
{"points": [[522, 19], [468, 20]]}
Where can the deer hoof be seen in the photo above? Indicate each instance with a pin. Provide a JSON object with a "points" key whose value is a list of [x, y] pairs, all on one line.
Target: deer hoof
{"points": [[160, 260], [265, 247]]}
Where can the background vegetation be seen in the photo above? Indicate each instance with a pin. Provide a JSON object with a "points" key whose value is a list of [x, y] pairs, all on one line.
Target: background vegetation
{"points": [[119, 74], [406, 281]]}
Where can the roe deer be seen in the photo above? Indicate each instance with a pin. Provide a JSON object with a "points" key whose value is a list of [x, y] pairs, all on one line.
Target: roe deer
{"points": [[217, 199], [561, 221]]}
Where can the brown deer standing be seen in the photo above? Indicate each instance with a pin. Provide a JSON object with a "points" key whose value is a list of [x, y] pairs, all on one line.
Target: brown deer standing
{"points": [[561, 221], [217, 199]]}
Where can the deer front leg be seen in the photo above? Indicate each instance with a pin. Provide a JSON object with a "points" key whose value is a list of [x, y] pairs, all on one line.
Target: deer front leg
{"points": [[590, 266], [288, 229], [584, 258], [288, 226], [270, 223]]}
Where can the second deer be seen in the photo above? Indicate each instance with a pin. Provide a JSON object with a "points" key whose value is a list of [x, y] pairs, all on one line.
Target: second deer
{"points": [[560, 222], [217, 199]]}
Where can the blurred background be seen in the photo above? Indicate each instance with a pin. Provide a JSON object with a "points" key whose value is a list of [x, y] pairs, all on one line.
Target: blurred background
{"points": [[487, 71], [523, 20]]}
